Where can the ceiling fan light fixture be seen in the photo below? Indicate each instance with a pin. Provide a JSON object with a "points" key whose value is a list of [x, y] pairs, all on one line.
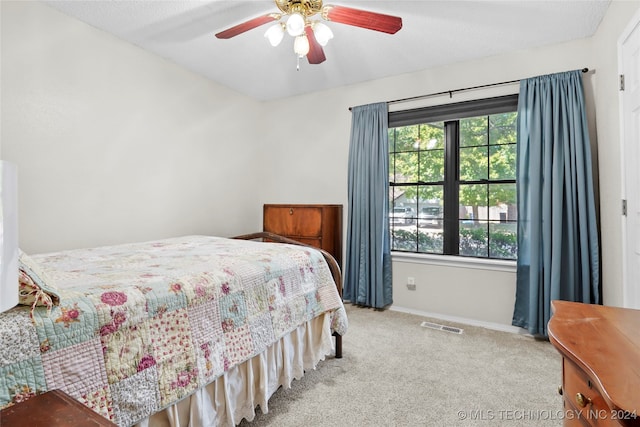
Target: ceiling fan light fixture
{"points": [[274, 34], [301, 45], [295, 24], [298, 18], [322, 33]]}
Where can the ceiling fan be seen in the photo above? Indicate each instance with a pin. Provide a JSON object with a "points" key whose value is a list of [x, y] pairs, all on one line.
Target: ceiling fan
{"points": [[298, 19]]}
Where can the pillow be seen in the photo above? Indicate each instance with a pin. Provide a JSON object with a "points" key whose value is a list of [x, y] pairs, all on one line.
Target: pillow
{"points": [[35, 288]]}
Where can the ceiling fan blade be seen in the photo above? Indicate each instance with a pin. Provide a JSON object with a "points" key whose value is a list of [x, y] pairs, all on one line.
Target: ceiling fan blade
{"points": [[246, 26], [316, 54], [362, 18]]}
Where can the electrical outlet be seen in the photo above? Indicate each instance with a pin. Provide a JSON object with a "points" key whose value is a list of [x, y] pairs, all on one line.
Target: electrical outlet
{"points": [[411, 286], [411, 281]]}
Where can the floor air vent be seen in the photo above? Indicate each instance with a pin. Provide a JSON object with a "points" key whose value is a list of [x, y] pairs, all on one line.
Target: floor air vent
{"points": [[441, 327]]}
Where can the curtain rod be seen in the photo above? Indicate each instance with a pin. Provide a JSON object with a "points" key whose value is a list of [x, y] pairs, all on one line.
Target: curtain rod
{"points": [[451, 92]]}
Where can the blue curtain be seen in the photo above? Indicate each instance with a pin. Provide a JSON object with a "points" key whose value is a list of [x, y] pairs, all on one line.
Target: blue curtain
{"points": [[558, 254], [368, 262]]}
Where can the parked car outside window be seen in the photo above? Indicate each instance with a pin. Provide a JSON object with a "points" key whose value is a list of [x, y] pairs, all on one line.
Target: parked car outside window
{"points": [[403, 215], [430, 216]]}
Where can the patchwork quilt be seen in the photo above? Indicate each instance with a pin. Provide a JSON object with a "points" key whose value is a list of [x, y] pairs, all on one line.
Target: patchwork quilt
{"points": [[140, 326]]}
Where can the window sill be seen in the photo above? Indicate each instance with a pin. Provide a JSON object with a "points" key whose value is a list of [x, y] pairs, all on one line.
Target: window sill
{"points": [[455, 261]]}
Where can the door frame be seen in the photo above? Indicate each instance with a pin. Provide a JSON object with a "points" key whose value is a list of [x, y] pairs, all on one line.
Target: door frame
{"points": [[630, 296]]}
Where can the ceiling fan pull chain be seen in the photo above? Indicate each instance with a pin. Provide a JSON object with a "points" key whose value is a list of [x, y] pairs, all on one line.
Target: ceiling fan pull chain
{"points": [[297, 62]]}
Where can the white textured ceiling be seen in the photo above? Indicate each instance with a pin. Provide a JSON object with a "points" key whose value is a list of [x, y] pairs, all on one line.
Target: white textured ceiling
{"points": [[434, 33]]}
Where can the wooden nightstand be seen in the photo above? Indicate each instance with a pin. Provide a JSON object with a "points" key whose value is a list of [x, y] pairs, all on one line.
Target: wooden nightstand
{"points": [[600, 348], [51, 409]]}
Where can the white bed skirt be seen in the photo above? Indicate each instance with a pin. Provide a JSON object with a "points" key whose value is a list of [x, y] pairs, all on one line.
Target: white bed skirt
{"points": [[236, 394]]}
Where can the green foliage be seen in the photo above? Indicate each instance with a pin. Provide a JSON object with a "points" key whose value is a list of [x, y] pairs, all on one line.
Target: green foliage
{"points": [[487, 151], [403, 240], [417, 155], [502, 244], [431, 243], [475, 241]]}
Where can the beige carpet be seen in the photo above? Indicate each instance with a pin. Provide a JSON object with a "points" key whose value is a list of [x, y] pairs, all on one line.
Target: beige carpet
{"points": [[396, 373]]}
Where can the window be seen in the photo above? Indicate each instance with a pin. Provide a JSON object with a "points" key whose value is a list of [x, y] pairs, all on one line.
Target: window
{"points": [[452, 173]]}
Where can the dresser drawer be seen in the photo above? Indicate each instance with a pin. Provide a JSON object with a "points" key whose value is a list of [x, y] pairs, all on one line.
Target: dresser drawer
{"points": [[584, 399], [600, 348], [293, 220]]}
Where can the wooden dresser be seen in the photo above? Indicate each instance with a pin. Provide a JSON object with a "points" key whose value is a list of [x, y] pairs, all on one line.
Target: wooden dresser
{"points": [[54, 408], [600, 348], [315, 225]]}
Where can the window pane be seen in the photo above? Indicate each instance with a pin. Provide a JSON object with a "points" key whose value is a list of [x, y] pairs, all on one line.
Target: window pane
{"points": [[502, 202], [431, 241], [430, 219], [432, 136], [394, 193], [430, 206], [474, 202], [403, 209], [430, 195], [404, 237], [473, 239], [473, 132], [502, 128], [392, 170], [474, 164], [407, 138], [431, 166], [406, 167], [403, 218], [502, 161], [503, 240]]}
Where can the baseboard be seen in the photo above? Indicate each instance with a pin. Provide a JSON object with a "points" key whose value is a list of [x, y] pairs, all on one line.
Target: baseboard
{"points": [[462, 320]]}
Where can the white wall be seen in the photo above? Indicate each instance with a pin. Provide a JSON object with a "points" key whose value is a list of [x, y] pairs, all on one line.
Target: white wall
{"points": [[114, 144]]}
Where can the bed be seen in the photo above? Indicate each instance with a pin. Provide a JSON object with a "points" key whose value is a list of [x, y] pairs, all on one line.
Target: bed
{"points": [[193, 330]]}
